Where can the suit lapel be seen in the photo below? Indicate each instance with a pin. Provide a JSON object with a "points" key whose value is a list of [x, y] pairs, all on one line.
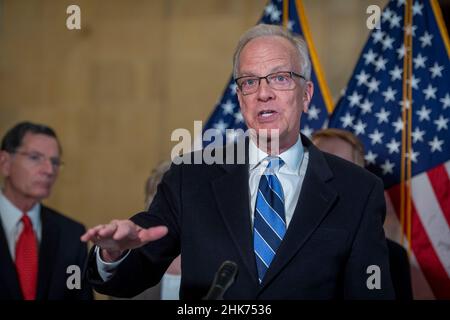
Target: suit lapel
{"points": [[314, 203], [47, 252], [8, 272], [232, 198]]}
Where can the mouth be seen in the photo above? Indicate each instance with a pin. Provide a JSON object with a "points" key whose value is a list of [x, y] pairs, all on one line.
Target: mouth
{"points": [[44, 184], [267, 115]]}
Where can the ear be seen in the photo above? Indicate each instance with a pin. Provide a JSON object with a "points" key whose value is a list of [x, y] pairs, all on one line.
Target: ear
{"points": [[307, 95], [5, 163]]}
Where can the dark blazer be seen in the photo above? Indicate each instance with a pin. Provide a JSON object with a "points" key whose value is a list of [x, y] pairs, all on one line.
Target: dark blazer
{"points": [[400, 271], [153, 293], [334, 236], [60, 247]]}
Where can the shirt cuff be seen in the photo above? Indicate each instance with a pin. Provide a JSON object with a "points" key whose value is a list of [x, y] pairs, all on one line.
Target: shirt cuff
{"points": [[170, 286], [106, 270]]}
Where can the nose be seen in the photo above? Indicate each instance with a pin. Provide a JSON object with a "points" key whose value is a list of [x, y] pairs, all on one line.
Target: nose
{"points": [[265, 92], [48, 168]]}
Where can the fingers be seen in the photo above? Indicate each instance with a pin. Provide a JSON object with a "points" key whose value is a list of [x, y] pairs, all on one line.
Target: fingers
{"points": [[152, 234], [123, 234], [108, 230], [101, 231], [91, 234], [126, 230]]}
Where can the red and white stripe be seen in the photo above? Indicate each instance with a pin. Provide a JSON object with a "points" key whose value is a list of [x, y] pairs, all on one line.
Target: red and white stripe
{"points": [[430, 231]]}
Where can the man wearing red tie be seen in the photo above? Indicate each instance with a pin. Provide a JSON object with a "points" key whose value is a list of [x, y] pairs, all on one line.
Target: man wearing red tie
{"points": [[37, 244]]}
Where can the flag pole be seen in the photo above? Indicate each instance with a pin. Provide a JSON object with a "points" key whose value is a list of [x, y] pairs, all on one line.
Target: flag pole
{"points": [[441, 24], [285, 13], [314, 57], [410, 150], [405, 174]]}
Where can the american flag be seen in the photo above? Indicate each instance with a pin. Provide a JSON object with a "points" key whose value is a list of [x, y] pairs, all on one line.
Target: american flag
{"points": [[290, 13], [375, 107]]}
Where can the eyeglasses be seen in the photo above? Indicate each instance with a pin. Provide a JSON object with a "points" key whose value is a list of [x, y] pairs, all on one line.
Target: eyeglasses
{"points": [[37, 159], [283, 80]]}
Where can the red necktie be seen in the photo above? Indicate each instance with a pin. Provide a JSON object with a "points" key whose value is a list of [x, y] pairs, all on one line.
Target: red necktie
{"points": [[27, 259]]}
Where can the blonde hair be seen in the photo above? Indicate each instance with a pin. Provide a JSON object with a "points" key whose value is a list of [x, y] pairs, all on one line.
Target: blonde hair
{"points": [[347, 136], [153, 180]]}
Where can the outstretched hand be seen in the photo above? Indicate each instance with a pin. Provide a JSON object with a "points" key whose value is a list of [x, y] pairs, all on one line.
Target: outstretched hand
{"points": [[120, 235]]}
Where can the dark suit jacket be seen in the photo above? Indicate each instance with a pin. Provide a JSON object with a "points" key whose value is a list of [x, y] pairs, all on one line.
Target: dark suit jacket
{"points": [[153, 293], [334, 236], [59, 248], [400, 271]]}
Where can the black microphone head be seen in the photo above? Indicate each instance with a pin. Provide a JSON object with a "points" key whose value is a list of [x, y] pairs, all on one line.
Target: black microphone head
{"points": [[223, 279], [227, 273]]}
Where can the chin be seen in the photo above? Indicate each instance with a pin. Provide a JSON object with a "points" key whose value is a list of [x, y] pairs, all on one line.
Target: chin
{"points": [[268, 126], [41, 194]]}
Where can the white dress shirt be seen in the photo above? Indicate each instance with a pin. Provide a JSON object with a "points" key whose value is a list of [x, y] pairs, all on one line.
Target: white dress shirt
{"points": [[170, 286], [291, 176], [10, 218]]}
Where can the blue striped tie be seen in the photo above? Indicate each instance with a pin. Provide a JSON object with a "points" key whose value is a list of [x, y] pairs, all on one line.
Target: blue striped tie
{"points": [[269, 223]]}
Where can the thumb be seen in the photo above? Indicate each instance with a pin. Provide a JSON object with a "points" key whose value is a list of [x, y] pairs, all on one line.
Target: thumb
{"points": [[152, 234]]}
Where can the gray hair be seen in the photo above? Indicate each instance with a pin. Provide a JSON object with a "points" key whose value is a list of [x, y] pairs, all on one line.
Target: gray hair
{"points": [[264, 30]]}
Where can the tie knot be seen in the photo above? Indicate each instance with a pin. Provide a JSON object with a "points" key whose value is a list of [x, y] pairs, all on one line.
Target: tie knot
{"points": [[275, 163], [26, 221]]}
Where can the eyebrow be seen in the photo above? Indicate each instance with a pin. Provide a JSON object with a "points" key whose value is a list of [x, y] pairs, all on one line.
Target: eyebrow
{"points": [[276, 69], [41, 154]]}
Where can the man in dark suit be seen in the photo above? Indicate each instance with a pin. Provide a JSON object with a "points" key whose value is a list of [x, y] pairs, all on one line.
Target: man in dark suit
{"points": [[40, 253], [347, 146], [298, 223]]}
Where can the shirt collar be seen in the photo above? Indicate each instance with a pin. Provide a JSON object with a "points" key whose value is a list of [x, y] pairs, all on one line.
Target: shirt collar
{"points": [[10, 214], [292, 157]]}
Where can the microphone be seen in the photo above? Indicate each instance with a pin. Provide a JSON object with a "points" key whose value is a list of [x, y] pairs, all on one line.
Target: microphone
{"points": [[223, 279]]}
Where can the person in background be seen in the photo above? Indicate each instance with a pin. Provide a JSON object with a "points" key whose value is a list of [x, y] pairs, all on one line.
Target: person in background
{"points": [[39, 247], [170, 282], [169, 286], [346, 145]]}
